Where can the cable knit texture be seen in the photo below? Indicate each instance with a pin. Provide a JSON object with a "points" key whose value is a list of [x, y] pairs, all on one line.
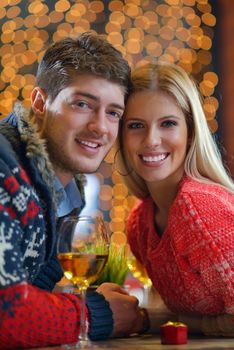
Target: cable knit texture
{"points": [[192, 264], [32, 316]]}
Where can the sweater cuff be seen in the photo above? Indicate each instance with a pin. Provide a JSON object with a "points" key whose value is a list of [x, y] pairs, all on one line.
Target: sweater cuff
{"points": [[101, 320], [49, 274]]}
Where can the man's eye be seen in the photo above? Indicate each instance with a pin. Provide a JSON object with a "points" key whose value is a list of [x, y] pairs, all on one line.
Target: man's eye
{"points": [[81, 104], [169, 123], [116, 115]]}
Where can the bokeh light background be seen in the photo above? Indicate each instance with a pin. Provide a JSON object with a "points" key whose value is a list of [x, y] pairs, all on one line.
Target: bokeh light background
{"points": [[179, 31]]}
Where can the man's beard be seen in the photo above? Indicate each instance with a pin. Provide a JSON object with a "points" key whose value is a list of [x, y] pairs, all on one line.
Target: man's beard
{"points": [[61, 161], [57, 154]]}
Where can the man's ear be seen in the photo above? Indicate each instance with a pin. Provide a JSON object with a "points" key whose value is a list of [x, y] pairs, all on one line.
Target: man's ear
{"points": [[38, 102]]}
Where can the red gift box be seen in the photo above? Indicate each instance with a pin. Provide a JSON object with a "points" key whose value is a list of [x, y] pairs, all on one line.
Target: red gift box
{"points": [[174, 333]]}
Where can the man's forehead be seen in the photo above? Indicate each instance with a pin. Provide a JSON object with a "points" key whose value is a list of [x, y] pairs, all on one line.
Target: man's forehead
{"points": [[95, 89]]}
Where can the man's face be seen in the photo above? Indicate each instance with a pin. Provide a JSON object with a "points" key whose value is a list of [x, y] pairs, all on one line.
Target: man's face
{"points": [[81, 125]]}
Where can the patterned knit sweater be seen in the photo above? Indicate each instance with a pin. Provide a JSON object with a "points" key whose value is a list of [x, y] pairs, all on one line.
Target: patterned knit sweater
{"points": [[192, 263], [32, 316]]}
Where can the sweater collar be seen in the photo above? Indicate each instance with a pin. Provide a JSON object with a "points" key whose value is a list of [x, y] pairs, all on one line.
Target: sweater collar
{"points": [[36, 150]]}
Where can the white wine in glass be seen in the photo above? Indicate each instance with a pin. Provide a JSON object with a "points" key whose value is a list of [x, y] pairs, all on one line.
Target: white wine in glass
{"points": [[83, 247]]}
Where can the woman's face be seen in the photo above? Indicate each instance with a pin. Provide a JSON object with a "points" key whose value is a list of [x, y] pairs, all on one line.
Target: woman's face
{"points": [[155, 136]]}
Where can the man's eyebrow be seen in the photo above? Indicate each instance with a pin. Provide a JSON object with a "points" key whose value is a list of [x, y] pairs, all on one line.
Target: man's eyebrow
{"points": [[86, 94], [116, 105], [96, 98]]}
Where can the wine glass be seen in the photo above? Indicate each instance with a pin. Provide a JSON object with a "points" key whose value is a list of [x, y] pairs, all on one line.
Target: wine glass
{"points": [[139, 272], [83, 246]]}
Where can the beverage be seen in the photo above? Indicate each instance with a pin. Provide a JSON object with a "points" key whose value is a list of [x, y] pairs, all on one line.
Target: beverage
{"points": [[138, 271], [82, 248], [82, 269]]}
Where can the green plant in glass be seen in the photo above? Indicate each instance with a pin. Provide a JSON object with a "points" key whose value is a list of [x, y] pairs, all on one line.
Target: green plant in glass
{"points": [[116, 268]]}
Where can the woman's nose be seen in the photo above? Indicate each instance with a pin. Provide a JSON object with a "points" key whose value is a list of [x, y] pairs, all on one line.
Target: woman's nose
{"points": [[153, 137]]}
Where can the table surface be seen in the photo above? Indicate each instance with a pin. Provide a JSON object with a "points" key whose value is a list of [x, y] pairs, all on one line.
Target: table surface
{"points": [[148, 342], [153, 342]]}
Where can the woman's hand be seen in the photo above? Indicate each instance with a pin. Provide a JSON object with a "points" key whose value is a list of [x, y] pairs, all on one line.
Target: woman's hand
{"points": [[128, 317]]}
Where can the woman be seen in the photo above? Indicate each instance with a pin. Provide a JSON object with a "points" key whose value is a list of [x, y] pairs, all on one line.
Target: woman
{"points": [[182, 230]]}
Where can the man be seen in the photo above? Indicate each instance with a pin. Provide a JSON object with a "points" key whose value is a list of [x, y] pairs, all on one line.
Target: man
{"points": [[76, 105]]}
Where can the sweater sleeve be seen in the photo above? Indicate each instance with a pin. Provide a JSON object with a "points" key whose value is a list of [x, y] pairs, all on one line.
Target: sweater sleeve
{"points": [[213, 326], [49, 274], [209, 242], [31, 317]]}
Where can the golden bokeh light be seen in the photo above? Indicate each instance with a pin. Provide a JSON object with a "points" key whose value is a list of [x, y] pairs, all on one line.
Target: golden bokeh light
{"points": [[115, 38], [163, 10], [29, 21], [17, 82], [210, 111], [119, 238], [208, 19], [97, 6], [29, 57], [131, 10], [13, 2], [120, 191], [189, 2], [211, 76], [56, 17], [35, 44], [206, 88], [105, 205], [4, 3], [116, 5], [13, 11], [62, 6], [154, 49], [42, 21], [133, 46], [213, 124], [116, 177], [117, 225], [118, 17], [106, 193]]}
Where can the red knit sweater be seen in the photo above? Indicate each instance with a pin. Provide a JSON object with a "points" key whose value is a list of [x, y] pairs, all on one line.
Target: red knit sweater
{"points": [[192, 264]]}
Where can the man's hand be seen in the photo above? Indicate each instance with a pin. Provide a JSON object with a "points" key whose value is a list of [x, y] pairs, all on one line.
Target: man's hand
{"points": [[128, 317]]}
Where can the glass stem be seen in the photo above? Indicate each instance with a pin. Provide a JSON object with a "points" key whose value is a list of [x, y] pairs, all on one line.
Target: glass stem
{"points": [[83, 336]]}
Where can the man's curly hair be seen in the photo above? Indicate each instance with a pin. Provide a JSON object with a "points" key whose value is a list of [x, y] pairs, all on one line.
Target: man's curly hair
{"points": [[64, 60]]}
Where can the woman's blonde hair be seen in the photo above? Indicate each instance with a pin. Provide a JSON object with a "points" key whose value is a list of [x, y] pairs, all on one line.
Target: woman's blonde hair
{"points": [[203, 161]]}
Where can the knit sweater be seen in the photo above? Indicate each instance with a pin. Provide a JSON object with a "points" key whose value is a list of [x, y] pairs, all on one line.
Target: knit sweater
{"points": [[32, 316], [192, 264]]}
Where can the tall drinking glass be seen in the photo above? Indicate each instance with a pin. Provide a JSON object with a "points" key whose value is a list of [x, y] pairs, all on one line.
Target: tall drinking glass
{"points": [[83, 246]]}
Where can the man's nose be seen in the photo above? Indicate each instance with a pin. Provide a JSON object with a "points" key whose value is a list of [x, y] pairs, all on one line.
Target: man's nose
{"points": [[98, 122]]}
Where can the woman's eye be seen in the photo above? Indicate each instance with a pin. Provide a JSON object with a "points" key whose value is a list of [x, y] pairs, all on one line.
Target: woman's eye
{"points": [[135, 125], [169, 123]]}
